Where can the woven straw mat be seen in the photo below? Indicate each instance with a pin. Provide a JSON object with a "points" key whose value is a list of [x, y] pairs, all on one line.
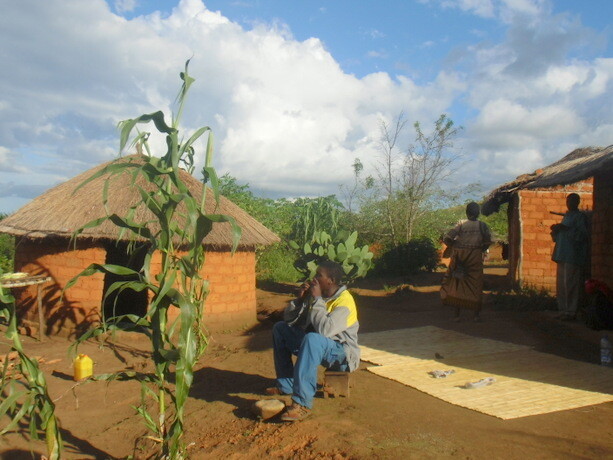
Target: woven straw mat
{"points": [[527, 382]]}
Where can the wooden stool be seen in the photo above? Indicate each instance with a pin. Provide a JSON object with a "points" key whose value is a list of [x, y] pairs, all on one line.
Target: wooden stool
{"points": [[336, 384]]}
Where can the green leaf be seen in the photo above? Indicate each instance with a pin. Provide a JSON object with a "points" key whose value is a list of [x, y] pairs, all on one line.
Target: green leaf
{"points": [[312, 267], [331, 252]]}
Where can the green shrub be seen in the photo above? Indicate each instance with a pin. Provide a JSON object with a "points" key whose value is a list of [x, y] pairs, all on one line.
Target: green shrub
{"points": [[408, 258], [7, 251], [340, 248], [276, 263]]}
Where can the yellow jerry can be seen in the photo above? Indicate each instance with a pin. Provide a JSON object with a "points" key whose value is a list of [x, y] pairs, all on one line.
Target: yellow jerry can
{"points": [[83, 367]]}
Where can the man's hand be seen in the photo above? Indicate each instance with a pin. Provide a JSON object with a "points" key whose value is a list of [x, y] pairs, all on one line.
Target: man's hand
{"points": [[304, 290], [315, 288]]}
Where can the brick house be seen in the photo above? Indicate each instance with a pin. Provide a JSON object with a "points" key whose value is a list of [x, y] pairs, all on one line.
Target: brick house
{"points": [[533, 199], [43, 229]]}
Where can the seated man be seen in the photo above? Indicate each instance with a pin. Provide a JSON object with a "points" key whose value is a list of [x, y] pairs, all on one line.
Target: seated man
{"points": [[319, 327]]}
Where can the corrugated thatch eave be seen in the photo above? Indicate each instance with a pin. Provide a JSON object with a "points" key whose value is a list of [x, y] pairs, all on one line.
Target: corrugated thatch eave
{"points": [[63, 209], [578, 165]]}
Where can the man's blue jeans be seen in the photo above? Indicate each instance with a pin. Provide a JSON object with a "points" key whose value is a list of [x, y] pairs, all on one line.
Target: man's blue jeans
{"points": [[312, 349]]}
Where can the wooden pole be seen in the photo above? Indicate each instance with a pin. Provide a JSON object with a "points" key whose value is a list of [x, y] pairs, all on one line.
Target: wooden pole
{"points": [[39, 302]]}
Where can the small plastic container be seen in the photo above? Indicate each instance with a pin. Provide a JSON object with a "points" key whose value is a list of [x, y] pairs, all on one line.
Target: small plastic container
{"points": [[83, 367], [606, 352]]}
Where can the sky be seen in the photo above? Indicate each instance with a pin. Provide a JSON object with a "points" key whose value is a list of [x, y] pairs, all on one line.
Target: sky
{"points": [[294, 91]]}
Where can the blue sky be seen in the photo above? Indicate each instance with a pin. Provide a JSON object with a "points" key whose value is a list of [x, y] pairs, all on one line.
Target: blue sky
{"points": [[295, 90]]}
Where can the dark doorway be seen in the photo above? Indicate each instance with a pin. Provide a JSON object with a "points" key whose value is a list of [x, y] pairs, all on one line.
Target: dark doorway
{"points": [[127, 301]]}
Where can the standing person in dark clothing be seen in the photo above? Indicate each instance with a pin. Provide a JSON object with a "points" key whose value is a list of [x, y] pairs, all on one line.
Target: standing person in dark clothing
{"points": [[571, 254], [462, 285]]}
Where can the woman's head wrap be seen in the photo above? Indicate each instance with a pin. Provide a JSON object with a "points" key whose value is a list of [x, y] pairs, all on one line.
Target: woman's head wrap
{"points": [[472, 210]]}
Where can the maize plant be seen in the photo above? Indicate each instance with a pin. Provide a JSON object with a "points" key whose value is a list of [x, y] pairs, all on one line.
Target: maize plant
{"points": [[26, 398], [176, 233]]}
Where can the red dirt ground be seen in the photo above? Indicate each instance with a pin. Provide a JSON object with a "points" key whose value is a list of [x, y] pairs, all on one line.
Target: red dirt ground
{"points": [[382, 419]]}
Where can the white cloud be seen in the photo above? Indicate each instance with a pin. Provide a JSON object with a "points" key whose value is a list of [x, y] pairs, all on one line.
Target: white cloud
{"points": [[9, 162], [287, 118], [381, 54], [281, 109], [483, 8], [124, 6]]}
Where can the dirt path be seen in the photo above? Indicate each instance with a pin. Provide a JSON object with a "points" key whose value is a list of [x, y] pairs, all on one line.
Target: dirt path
{"points": [[381, 419]]}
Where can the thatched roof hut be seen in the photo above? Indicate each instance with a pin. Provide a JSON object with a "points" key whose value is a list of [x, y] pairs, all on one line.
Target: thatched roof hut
{"points": [[43, 229], [60, 211], [533, 201], [578, 165]]}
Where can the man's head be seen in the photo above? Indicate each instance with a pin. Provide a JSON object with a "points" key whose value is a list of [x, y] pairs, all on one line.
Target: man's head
{"points": [[472, 210], [572, 202], [329, 276]]}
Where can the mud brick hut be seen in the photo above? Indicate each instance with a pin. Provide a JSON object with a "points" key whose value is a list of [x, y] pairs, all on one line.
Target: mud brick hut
{"points": [[532, 198], [43, 229]]}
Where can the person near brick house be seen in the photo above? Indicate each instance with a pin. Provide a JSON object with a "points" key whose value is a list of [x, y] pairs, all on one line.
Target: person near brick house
{"points": [[571, 256], [462, 285], [320, 327]]}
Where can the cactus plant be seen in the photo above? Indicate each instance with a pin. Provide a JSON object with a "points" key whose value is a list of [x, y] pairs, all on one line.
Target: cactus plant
{"points": [[340, 248]]}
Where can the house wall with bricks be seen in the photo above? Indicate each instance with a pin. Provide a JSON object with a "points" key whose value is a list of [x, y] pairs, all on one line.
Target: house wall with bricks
{"points": [[231, 302], [78, 307], [602, 229], [533, 246]]}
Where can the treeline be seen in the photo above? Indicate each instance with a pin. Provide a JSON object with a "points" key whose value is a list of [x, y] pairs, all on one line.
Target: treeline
{"points": [[298, 220]]}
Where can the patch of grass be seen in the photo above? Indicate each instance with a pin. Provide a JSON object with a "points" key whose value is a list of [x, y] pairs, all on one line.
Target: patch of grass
{"points": [[526, 298]]}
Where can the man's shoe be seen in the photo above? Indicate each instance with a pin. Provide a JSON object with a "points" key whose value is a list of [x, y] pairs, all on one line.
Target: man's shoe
{"points": [[295, 413], [273, 391]]}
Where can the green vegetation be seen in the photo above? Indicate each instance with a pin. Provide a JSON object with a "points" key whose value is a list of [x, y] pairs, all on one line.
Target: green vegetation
{"points": [[400, 213], [408, 258], [525, 298], [7, 250], [341, 248], [498, 223], [276, 263], [176, 234], [26, 398]]}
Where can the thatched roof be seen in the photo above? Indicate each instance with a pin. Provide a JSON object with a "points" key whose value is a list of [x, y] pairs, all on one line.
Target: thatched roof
{"points": [[578, 165], [58, 212]]}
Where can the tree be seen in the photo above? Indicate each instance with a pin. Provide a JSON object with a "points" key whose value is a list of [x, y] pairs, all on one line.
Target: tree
{"points": [[410, 180], [351, 193], [426, 165]]}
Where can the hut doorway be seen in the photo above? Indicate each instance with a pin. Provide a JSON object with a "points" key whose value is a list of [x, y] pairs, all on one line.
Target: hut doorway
{"points": [[127, 301]]}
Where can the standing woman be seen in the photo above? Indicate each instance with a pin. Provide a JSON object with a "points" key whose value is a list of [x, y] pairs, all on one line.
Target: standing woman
{"points": [[463, 283]]}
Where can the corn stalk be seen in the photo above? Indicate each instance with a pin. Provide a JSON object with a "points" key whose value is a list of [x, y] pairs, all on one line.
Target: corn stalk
{"points": [[26, 398], [176, 233]]}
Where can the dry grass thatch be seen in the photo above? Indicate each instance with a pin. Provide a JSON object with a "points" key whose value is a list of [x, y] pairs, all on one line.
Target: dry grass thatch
{"points": [[578, 165], [60, 211]]}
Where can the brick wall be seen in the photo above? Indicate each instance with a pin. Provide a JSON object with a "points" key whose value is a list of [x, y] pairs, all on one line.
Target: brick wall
{"points": [[602, 229], [79, 307], [533, 261], [231, 302]]}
